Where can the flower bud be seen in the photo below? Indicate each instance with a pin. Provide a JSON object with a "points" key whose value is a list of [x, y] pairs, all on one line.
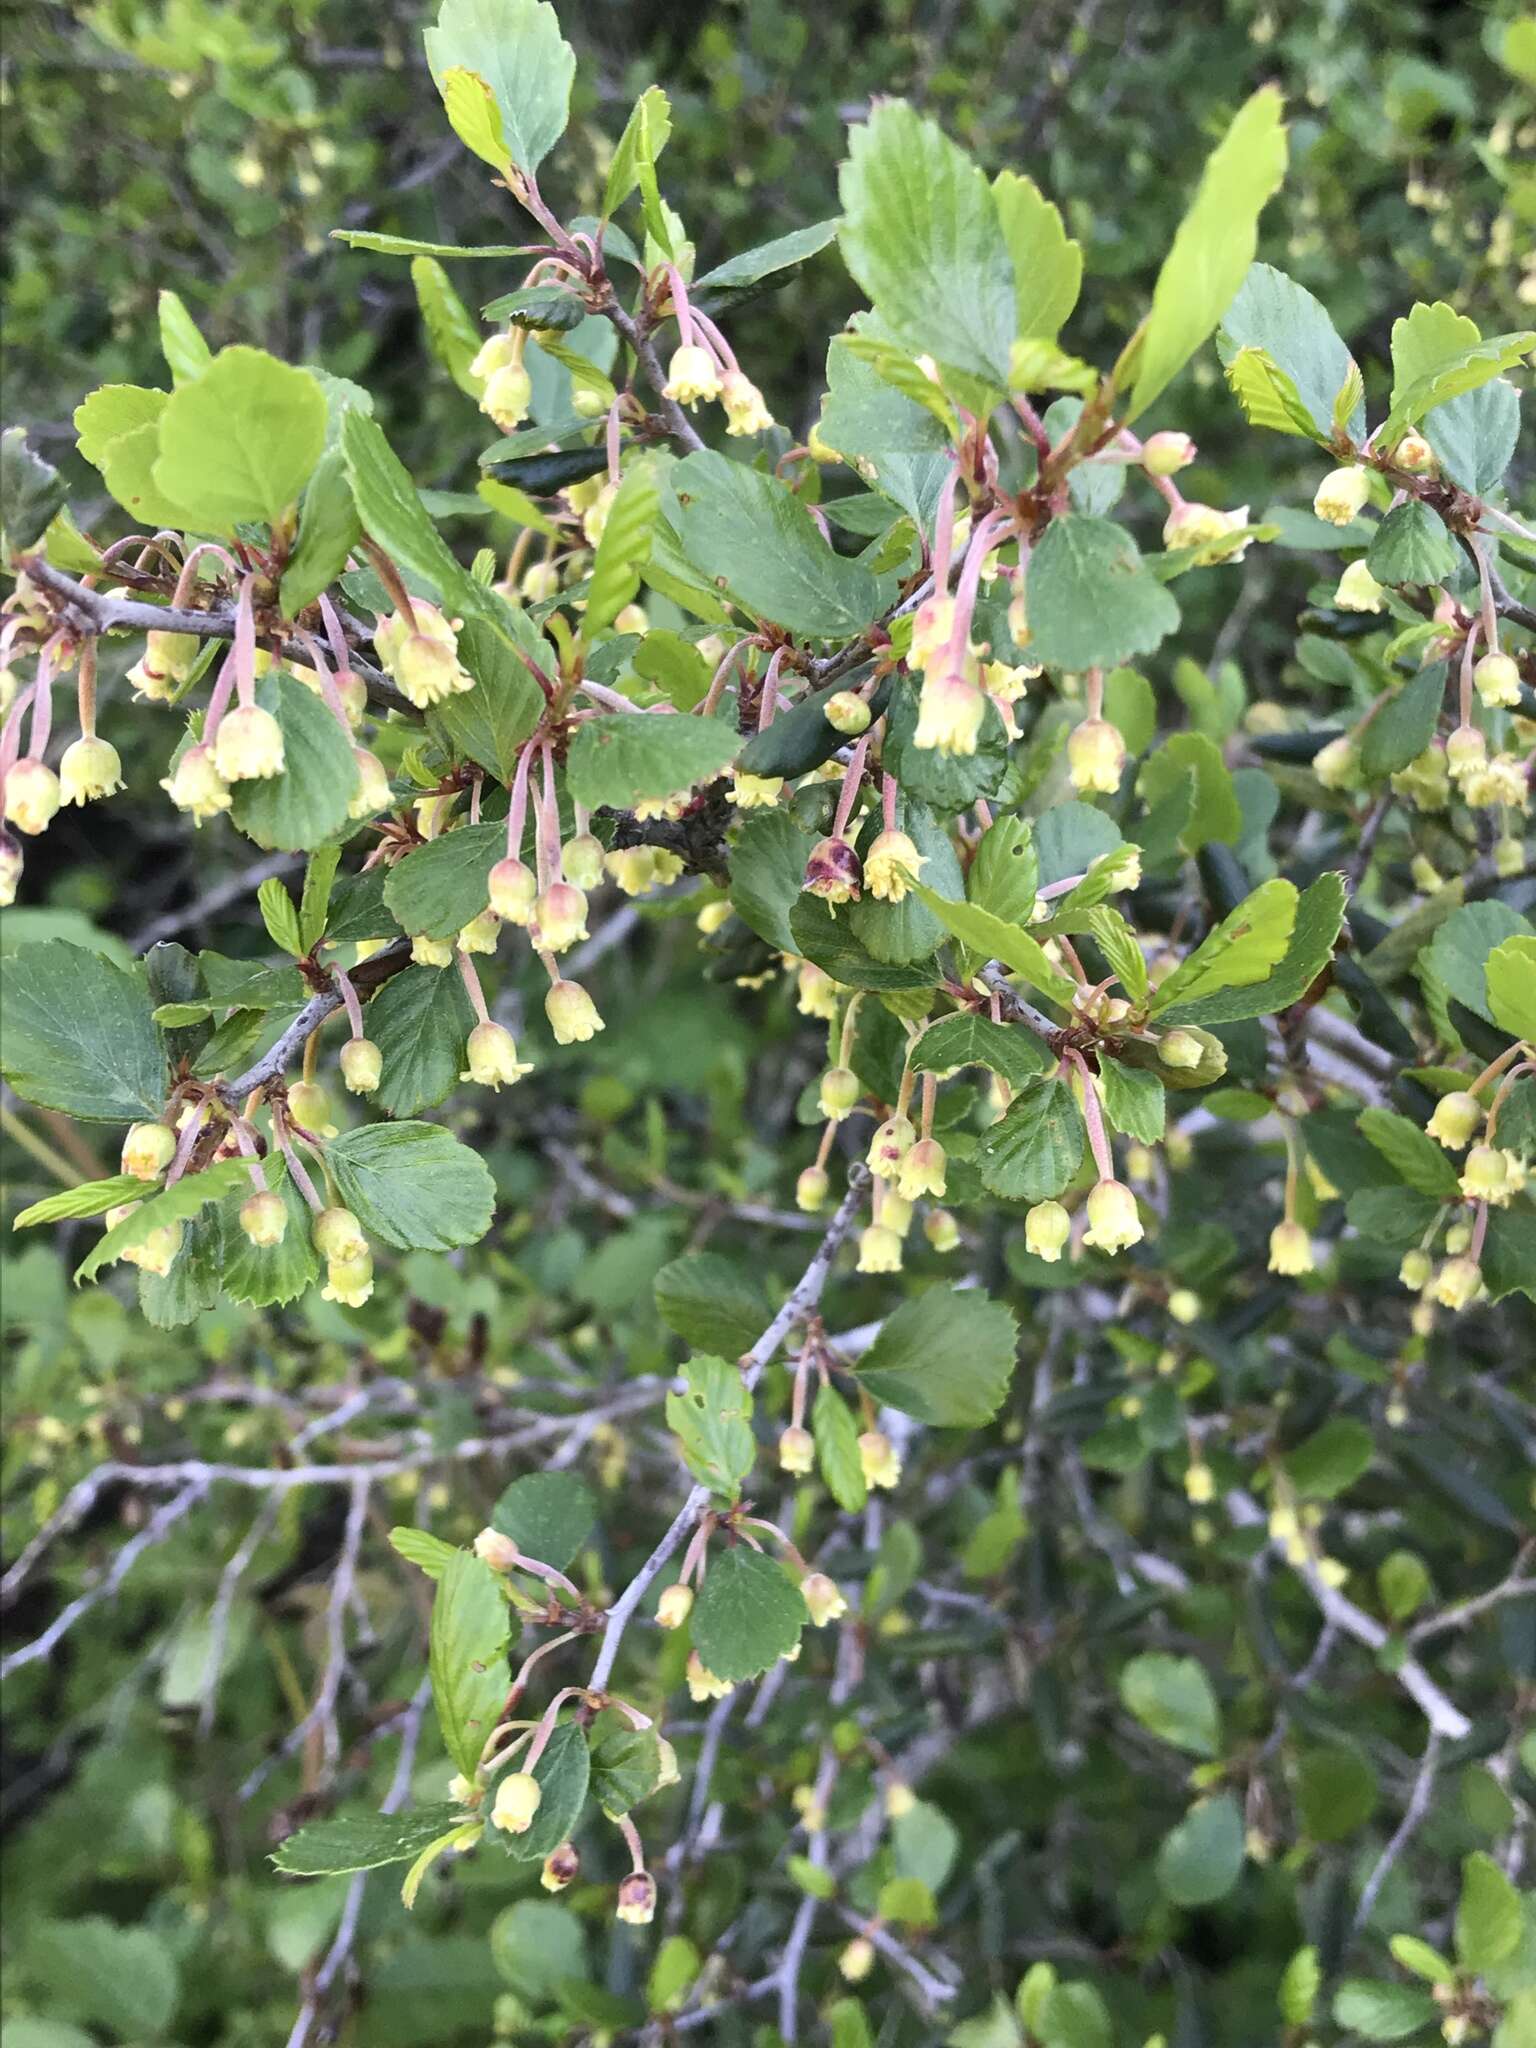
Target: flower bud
{"points": [[879, 1249], [559, 918], [428, 670], [1290, 1249], [581, 860], [1359, 591], [507, 395], [513, 891], [337, 1235], [1047, 1228], [797, 1451], [840, 1090], [744, 408], [691, 375], [812, 1189], [249, 745], [429, 952], [1096, 756], [348, 1281], [941, 1230], [493, 1060], [891, 865], [264, 1218], [833, 871], [10, 871], [516, 1802], [310, 1108], [1342, 494], [950, 711], [878, 1459], [1113, 1221], [572, 1013], [1508, 857], [1496, 677], [373, 792], [1185, 1306], [32, 796], [496, 1550], [702, 1682], [637, 1892], [1337, 765], [921, 1171], [495, 353], [1457, 1239], [1180, 1049], [1457, 1283], [823, 1598], [480, 934], [1414, 454], [464, 1791], [562, 1867], [1415, 1270], [674, 1606], [857, 1959], [169, 658], [156, 1252], [1466, 752], [666, 1757], [1165, 454], [816, 993], [90, 769], [362, 1065], [194, 785], [1426, 784], [846, 712], [1456, 1116], [713, 917], [148, 1150], [1484, 1175]]}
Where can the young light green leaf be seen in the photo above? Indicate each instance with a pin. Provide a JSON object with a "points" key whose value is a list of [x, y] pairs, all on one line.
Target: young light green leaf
{"points": [[945, 1356], [453, 334], [1267, 395], [280, 916], [390, 508], [315, 898], [634, 158], [837, 1450], [1173, 1697], [1242, 949], [994, 938], [419, 1547], [748, 1614], [489, 723], [1281, 319], [413, 1185], [467, 1657], [1134, 1100], [1510, 974], [166, 1206], [1047, 263], [1489, 1917], [624, 548], [1213, 247], [90, 1198], [186, 353], [1382, 2012], [1201, 1859], [240, 441], [516, 48], [1319, 915], [713, 1421]]}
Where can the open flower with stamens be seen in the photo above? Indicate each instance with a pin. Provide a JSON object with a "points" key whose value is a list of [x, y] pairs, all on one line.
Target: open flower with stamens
{"points": [[891, 866], [691, 375], [1114, 1223], [950, 711]]}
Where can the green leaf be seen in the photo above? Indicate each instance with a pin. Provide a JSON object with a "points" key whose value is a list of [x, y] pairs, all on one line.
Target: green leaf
{"points": [[801, 738], [428, 1553], [748, 1614], [454, 337], [1405, 725], [1411, 1153], [489, 723], [1382, 2012], [620, 759], [112, 412], [673, 1974], [280, 916], [971, 1039], [837, 1449], [1426, 338], [921, 233], [1411, 545], [713, 1303], [548, 1515], [945, 1356], [406, 245], [186, 353], [328, 532], [419, 1021], [768, 861], [1193, 760], [1036, 1149], [1213, 247], [1319, 915], [176, 1204], [1267, 396], [1475, 435], [1201, 1860], [441, 886], [895, 445], [31, 491], [1437, 371], [390, 508], [750, 535], [908, 930], [949, 782], [634, 158], [1459, 951], [1047, 263], [1404, 1584], [266, 1276], [563, 1773], [1331, 1459], [315, 897], [824, 938], [76, 1035], [993, 938], [1074, 2016], [1118, 943], [1394, 1216], [516, 47], [624, 548], [1510, 973], [626, 1762], [241, 441], [1488, 1915], [124, 1978], [1093, 603], [768, 258], [90, 1198], [1273, 314], [1337, 1791], [307, 803], [1005, 873], [364, 1841], [413, 1185], [467, 1657], [1299, 1986], [713, 1422], [474, 116], [1172, 1696], [1134, 1100], [1242, 949]]}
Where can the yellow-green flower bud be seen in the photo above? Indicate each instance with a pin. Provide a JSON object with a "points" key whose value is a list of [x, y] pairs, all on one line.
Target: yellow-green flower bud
{"points": [[518, 1797], [264, 1218], [824, 1599], [1165, 454], [1342, 494], [1113, 1221], [1496, 678], [1047, 1227], [811, 1189], [338, 1236], [572, 1014], [249, 745], [1456, 1116], [362, 1065], [32, 796], [1290, 1250], [148, 1150], [846, 712], [90, 769], [674, 1606]]}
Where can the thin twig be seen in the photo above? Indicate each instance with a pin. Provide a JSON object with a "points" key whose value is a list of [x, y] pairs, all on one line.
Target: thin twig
{"points": [[1418, 1806]]}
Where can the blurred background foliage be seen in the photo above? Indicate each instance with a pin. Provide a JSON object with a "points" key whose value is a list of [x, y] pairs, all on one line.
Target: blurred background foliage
{"points": [[209, 147]]}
